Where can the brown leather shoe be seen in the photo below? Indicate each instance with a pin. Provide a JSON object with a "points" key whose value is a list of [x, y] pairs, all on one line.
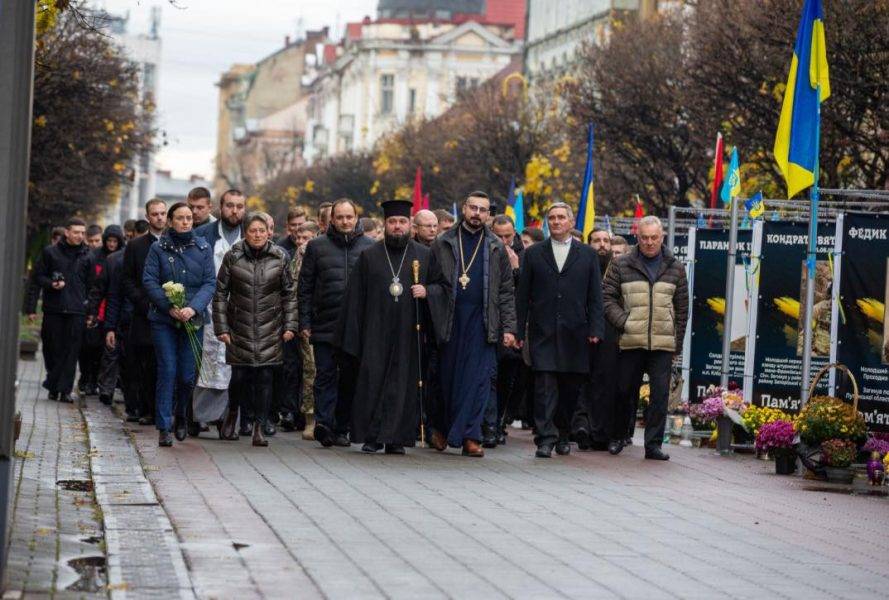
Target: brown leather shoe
{"points": [[472, 448], [258, 438], [438, 441]]}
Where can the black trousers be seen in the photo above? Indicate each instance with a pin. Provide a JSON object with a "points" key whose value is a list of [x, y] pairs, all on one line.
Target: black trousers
{"points": [[109, 369], [144, 371], [289, 394], [633, 364], [253, 388], [348, 381], [128, 372], [91, 349], [555, 398], [510, 391], [61, 335]]}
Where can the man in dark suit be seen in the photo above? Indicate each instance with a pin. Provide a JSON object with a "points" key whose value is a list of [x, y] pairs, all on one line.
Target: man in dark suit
{"points": [[143, 366], [560, 297]]}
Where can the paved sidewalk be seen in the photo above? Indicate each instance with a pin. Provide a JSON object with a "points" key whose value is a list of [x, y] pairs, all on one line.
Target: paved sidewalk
{"points": [[56, 545], [213, 519], [296, 520]]}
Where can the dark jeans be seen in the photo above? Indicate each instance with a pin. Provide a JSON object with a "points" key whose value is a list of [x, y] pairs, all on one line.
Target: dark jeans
{"points": [[253, 388], [176, 372], [555, 399], [61, 335], [335, 379], [633, 364]]}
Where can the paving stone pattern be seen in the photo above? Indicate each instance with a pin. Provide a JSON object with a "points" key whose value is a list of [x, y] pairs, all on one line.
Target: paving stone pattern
{"points": [[50, 525], [296, 520]]}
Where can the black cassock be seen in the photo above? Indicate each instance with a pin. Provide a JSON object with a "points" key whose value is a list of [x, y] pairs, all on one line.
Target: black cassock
{"points": [[381, 333]]}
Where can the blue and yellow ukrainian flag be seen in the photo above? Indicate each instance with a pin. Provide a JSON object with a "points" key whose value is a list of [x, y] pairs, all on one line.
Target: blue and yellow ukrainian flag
{"points": [[518, 208], [731, 188], [586, 210], [509, 211], [808, 84], [755, 207]]}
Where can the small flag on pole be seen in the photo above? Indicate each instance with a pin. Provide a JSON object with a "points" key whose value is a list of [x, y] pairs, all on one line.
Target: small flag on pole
{"points": [[755, 207], [608, 225], [701, 224], [717, 171], [519, 210], [418, 192], [731, 188], [586, 210], [637, 215]]}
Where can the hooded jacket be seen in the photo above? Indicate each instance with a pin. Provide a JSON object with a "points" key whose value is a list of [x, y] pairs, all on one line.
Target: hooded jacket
{"points": [[97, 275], [322, 279], [255, 303]]}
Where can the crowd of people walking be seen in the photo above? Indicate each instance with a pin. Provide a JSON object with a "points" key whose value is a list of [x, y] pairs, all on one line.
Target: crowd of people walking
{"points": [[364, 331]]}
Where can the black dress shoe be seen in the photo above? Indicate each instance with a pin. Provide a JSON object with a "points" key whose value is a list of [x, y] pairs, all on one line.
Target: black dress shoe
{"points": [[628, 441], [269, 429], [66, 398], [615, 446], [563, 448], [105, 399], [323, 435], [287, 423], [394, 449], [544, 451], [371, 447], [194, 429], [656, 454], [246, 428], [54, 396], [489, 440], [180, 430], [582, 437], [341, 440], [164, 439], [146, 420], [501, 439]]}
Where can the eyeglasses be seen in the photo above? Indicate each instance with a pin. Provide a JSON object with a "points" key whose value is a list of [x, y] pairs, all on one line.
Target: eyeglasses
{"points": [[473, 208]]}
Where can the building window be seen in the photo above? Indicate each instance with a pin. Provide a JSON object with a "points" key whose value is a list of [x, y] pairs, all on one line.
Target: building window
{"points": [[465, 84], [411, 100], [387, 93]]}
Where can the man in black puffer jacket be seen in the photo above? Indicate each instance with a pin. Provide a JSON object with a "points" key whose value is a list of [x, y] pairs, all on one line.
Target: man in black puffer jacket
{"points": [[62, 276], [322, 286]]}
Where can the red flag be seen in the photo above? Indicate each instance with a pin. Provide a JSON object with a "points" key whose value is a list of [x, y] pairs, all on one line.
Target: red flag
{"points": [[718, 174], [637, 215], [418, 192], [426, 201]]}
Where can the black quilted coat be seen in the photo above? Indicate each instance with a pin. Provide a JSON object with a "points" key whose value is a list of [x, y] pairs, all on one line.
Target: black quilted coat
{"points": [[255, 303]]}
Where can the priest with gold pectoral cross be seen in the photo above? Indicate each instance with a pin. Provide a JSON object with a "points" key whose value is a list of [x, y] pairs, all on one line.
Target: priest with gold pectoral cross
{"points": [[471, 298]]}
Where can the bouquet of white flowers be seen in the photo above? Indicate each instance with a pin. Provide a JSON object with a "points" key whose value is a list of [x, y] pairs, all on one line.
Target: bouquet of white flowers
{"points": [[175, 293]]}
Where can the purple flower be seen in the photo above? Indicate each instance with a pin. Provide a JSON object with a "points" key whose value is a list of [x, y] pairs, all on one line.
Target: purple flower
{"points": [[876, 443], [775, 435]]}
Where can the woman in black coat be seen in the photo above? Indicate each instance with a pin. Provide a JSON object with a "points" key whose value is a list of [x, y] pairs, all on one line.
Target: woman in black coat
{"points": [[254, 312]]}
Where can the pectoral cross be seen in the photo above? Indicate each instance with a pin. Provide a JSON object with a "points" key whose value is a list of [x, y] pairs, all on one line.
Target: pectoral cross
{"points": [[464, 280]]}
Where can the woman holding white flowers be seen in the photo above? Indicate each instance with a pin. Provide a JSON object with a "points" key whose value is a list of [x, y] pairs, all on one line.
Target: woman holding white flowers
{"points": [[254, 313], [179, 279]]}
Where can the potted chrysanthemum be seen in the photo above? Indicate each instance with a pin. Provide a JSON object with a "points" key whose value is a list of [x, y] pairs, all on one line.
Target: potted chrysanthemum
{"points": [[778, 439]]}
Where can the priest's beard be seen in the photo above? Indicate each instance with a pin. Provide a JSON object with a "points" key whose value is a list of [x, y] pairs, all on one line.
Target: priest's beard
{"points": [[397, 242], [604, 259]]}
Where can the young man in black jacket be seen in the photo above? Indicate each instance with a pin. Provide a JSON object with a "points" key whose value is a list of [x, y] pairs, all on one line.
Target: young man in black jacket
{"points": [[62, 275]]}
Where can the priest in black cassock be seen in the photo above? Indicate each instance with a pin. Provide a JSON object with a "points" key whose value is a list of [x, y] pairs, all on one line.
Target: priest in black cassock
{"points": [[378, 326]]}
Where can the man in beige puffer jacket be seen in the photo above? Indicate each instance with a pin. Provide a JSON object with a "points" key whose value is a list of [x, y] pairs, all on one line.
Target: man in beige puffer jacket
{"points": [[646, 299]]}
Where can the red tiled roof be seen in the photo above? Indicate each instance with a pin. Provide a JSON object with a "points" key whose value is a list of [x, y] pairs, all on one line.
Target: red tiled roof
{"points": [[508, 11], [353, 31]]}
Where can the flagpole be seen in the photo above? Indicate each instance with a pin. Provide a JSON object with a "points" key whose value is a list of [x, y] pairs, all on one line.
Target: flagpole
{"points": [[811, 258], [729, 296]]}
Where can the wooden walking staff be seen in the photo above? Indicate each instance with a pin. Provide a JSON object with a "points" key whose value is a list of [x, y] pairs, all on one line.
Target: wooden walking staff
{"points": [[416, 269]]}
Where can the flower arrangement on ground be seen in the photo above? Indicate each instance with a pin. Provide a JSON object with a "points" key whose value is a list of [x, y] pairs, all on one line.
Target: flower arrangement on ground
{"points": [[827, 418], [877, 442], [776, 436], [838, 452], [754, 417]]}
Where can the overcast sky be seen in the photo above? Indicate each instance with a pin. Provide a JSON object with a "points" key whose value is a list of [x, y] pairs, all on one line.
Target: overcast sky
{"points": [[200, 41]]}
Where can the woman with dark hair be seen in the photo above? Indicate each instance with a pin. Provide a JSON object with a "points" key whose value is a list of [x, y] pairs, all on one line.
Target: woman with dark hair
{"points": [[178, 257], [254, 313]]}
